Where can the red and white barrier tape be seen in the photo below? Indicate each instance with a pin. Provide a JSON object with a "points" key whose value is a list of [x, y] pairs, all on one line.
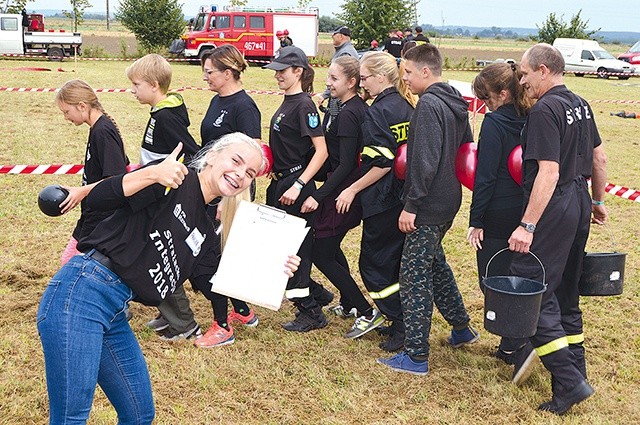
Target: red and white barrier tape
{"points": [[620, 191], [42, 169], [50, 169], [623, 192]]}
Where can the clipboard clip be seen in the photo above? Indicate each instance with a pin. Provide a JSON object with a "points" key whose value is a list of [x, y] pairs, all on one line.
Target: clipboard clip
{"points": [[272, 214]]}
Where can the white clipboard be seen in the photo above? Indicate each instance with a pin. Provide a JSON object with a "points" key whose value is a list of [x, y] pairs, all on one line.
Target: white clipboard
{"points": [[253, 260]]}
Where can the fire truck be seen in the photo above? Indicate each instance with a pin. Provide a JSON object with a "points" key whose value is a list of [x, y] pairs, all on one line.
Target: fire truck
{"points": [[251, 30]]}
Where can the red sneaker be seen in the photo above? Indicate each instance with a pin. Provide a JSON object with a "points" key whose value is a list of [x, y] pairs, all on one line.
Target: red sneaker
{"points": [[216, 336], [251, 320]]}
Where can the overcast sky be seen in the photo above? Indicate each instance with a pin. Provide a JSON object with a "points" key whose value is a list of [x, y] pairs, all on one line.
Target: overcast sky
{"points": [[610, 16]]}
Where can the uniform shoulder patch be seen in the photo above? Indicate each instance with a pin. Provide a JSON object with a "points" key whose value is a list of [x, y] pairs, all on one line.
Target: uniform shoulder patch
{"points": [[313, 120]]}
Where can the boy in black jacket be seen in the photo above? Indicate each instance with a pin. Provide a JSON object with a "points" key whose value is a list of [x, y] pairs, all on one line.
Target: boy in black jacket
{"points": [[168, 125]]}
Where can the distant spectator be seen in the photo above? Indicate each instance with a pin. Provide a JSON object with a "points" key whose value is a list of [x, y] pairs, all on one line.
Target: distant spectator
{"points": [[408, 34], [283, 36], [341, 39], [374, 45], [288, 41], [25, 18], [420, 38], [394, 44]]}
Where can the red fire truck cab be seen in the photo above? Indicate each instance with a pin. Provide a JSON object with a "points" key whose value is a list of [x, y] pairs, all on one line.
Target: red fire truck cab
{"points": [[251, 30]]}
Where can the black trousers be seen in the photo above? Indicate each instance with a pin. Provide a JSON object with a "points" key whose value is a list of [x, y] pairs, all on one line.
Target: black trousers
{"points": [[380, 255], [331, 261], [559, 241]]}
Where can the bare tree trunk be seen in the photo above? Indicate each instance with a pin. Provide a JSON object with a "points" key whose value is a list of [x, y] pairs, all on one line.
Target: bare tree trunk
{"points": [[107, 15]]}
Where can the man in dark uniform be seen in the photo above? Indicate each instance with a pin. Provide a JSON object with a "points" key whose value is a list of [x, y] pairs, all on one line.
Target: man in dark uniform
{"points": [[561, 149], [394, 44], [420, 38]]}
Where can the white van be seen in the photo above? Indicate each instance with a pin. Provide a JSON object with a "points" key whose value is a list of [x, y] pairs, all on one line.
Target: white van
{"points": [[584, 56]]}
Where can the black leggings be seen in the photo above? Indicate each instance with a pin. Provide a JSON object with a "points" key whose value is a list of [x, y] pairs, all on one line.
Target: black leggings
{"points": [[331, 261], [220, 303]]}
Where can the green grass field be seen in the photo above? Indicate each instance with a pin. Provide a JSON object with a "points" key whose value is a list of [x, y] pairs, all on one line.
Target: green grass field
{"points": [[270, 376]]}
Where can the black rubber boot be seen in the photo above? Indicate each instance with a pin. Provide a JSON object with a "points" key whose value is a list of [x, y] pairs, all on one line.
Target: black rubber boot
{"points": [[563, 399]]}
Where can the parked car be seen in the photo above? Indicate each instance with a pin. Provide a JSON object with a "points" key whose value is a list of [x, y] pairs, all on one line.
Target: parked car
{"points": [[632, 55], [586, 56]]}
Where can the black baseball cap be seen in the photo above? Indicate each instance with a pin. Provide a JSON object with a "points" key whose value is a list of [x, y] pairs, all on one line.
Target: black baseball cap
{"points": [[343, 30], [287, 57]]}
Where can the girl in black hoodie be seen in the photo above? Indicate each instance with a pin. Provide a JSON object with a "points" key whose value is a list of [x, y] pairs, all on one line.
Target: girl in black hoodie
{"points": [[496, 205]]}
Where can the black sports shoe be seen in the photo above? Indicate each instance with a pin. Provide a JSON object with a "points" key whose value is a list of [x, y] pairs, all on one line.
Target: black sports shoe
{"points": [[394, 343], [524, 360], [506, 356], [305, 322], [192, 332], [561, 403]]}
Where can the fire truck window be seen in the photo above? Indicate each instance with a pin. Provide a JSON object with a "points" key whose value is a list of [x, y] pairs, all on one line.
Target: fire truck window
{"points": [[223, 22], [239, 21], [256, 22], [198, 25], [9, 24]]}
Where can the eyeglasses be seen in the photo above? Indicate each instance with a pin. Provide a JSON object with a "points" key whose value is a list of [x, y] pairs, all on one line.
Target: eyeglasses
{"points": [[364, 77], [208, 72]]}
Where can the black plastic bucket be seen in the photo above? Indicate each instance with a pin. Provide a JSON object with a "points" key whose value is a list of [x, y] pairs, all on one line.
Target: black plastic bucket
{"points": [[512, 303], [602, 274]]}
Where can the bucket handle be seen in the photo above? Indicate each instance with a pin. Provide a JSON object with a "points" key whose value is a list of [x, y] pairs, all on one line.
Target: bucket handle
{"points": [[613, 239], [544, 273]]}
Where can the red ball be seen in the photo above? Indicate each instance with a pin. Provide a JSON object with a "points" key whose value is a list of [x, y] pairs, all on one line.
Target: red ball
{"points": [[514, 164], [400, 162], [466, 164], [268, 156]]}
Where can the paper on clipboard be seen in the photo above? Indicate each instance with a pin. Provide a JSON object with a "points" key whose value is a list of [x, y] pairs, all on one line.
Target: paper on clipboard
{"points": [[252, 265]]}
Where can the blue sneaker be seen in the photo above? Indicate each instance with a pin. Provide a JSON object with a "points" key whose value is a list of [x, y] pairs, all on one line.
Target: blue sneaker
{"points": [[401, 362], [462, 337]]}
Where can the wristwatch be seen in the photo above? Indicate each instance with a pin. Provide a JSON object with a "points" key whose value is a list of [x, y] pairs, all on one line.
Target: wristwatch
{"points": [[529, 227]]}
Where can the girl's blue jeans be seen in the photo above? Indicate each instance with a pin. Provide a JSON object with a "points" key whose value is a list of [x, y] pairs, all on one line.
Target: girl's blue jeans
{"points": [[86, 341]]}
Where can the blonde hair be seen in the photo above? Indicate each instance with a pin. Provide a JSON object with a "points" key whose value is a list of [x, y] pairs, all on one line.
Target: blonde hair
{"points": [[75, 92], [153, 69], [383, 63], [229, 204]]}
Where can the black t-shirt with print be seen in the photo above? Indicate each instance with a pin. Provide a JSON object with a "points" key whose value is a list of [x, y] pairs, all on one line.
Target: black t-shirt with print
{"points": [[228, 114], [155, 242], [104, 157], [560, 127], [292, 126]]}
